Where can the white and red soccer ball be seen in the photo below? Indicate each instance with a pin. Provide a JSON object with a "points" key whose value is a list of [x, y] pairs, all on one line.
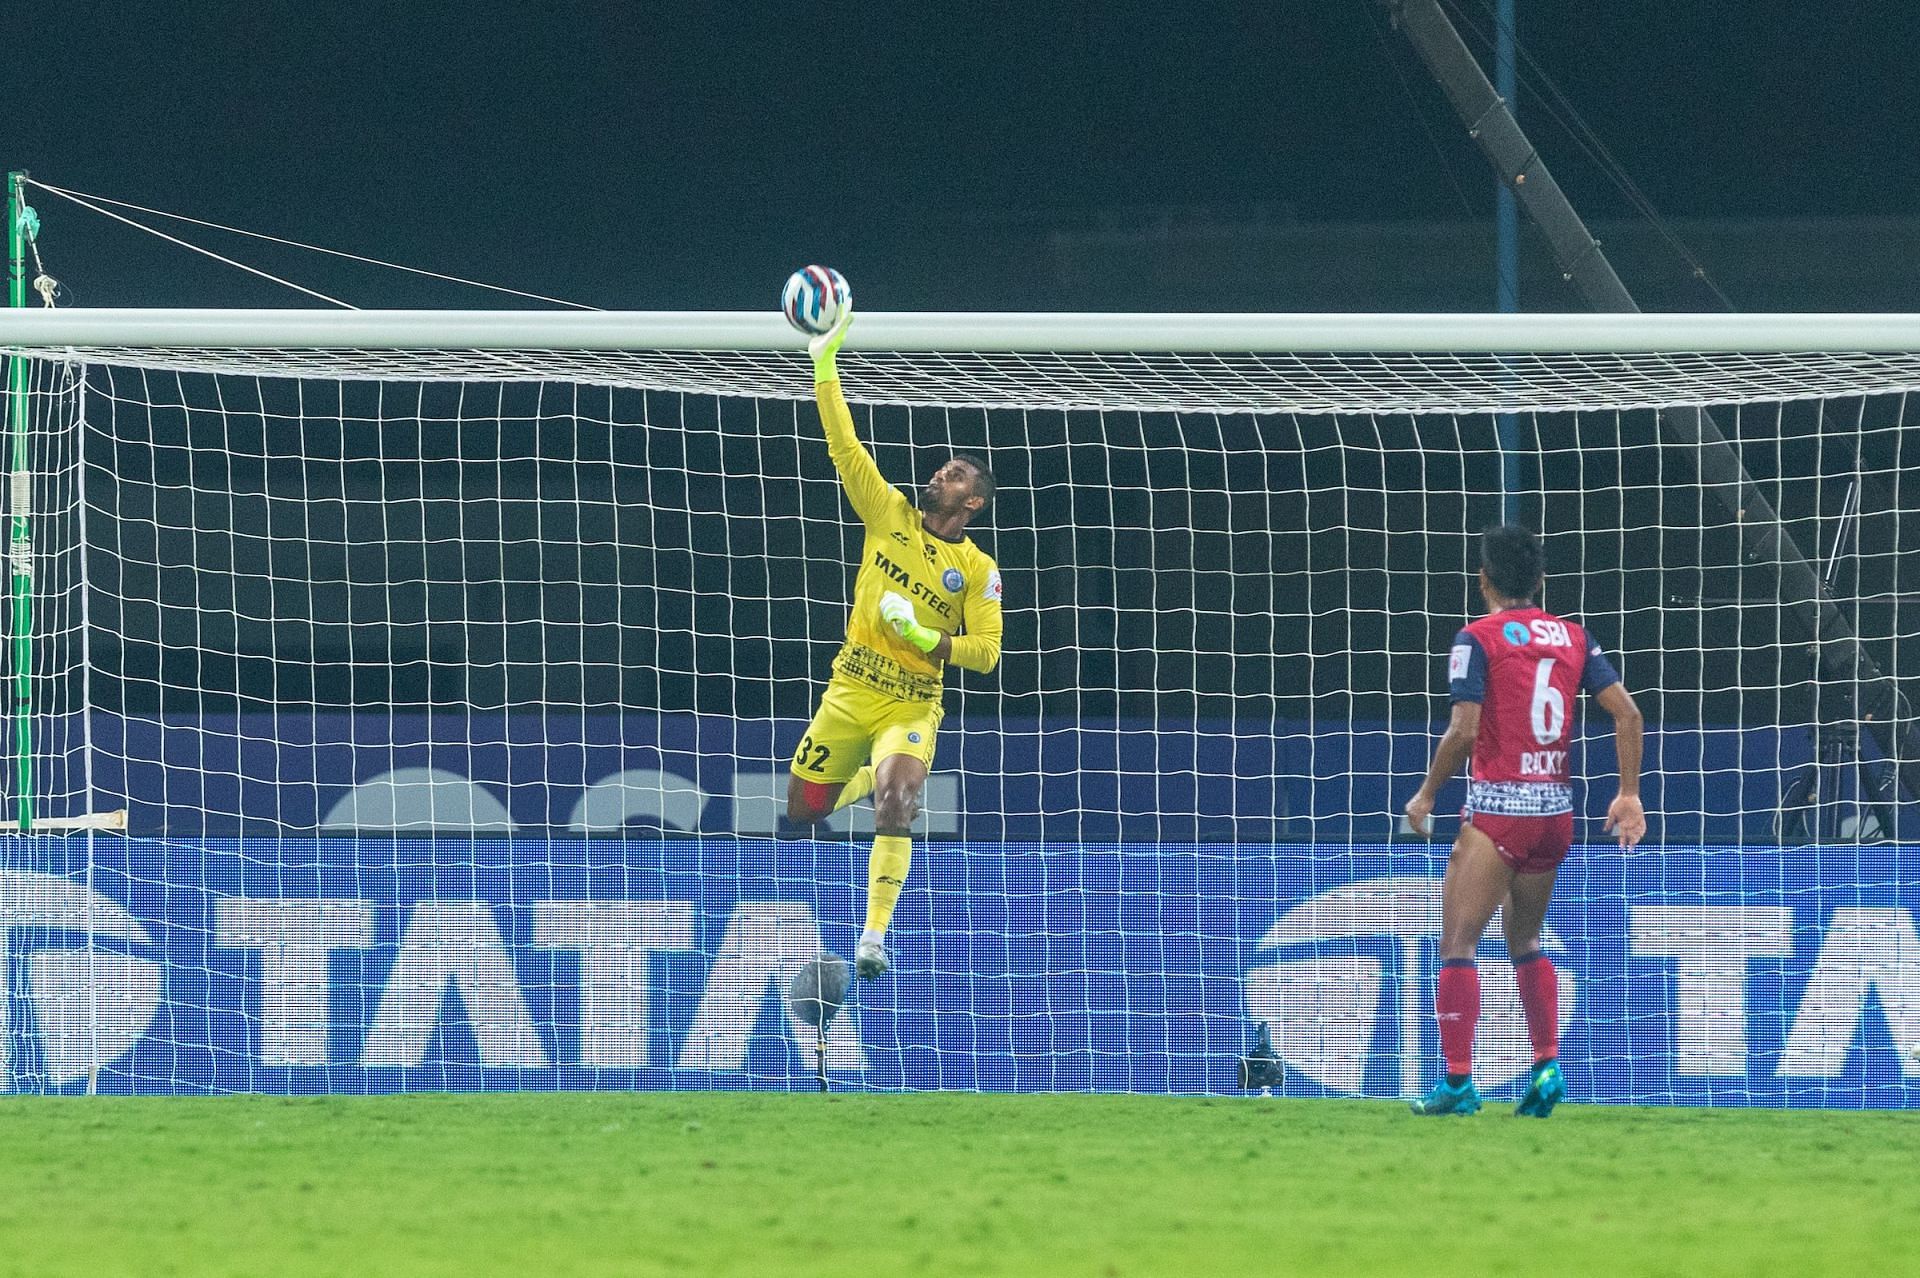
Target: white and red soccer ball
{"points": [[815, 298]]}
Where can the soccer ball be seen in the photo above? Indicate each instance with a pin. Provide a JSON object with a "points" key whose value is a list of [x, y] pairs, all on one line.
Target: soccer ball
{"points": [[815, 298]]}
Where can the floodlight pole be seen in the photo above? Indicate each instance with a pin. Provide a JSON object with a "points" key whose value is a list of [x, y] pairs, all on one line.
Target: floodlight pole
{"points": [[1808, 606], [1506, 215], [20, 509], [1506, 261]]}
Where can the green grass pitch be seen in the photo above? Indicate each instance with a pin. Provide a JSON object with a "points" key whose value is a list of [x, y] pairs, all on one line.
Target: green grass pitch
{"points": [[863, 1186]]}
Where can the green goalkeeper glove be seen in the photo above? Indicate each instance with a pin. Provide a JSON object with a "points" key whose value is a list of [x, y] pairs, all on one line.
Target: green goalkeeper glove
{"points": [[826, 346], [898, 612]]}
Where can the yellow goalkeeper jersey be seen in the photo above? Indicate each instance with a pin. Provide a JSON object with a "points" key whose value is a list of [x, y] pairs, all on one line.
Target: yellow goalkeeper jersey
{"points": [[954, 585]]}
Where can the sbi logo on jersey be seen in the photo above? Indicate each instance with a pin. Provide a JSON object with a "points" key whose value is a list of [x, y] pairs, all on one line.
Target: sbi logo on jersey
{"points": [[1335, 957], [1540, 630], [952, 580], [69, 951]]}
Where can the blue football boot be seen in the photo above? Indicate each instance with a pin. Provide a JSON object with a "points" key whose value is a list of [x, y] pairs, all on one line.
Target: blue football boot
{"points": [[1548, 1088], [1448, 1099]]}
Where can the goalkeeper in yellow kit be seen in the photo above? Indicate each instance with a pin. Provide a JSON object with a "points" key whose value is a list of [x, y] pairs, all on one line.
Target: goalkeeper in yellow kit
{"points": [[925, 596]]}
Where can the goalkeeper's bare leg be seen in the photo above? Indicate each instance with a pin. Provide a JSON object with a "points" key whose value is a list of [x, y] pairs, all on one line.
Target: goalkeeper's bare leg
{"points": [[898, 781]]}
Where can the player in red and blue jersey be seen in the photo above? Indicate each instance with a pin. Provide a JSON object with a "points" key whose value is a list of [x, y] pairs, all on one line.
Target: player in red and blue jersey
{"points": [[1513, 675]]}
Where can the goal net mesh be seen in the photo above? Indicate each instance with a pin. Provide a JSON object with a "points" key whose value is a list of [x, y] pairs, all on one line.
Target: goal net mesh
{"points": [[450, 695]]}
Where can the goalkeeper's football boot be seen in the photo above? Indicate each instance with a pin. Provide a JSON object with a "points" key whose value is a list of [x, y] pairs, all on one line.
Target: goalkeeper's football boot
{"points": [[870, 960], [1445, 1098], [1548, 1088]]}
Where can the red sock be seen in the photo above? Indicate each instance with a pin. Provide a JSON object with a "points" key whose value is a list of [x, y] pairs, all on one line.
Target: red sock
{"points": [[1457, 1004], [1540, 996]]}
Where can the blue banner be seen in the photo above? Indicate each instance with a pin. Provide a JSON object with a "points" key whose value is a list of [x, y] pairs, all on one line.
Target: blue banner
{"points": [[1688, 975], [1077, 779]]}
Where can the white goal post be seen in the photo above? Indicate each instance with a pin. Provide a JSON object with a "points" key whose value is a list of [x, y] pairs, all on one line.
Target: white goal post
{"points": [[1299, 363], [982, 331]]}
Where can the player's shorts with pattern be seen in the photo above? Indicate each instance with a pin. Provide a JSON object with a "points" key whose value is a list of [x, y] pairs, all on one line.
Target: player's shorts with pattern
{"points": [[1530, 822], [855, 723], [1529, 844]]}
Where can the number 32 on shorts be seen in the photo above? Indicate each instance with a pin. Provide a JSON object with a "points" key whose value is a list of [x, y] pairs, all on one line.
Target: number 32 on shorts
{"points": [[811, 757]]}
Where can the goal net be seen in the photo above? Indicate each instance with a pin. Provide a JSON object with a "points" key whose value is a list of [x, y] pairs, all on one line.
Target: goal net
{"points": [[446, 669]]}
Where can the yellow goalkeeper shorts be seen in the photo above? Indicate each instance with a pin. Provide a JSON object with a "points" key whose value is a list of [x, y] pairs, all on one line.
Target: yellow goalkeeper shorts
{"points": [[855, 723]]}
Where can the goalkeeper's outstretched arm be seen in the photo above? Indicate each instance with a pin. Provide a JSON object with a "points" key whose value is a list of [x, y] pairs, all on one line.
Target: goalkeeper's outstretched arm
{"points": [[870, 494]]}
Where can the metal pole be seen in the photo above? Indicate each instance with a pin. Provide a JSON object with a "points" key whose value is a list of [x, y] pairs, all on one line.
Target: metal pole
{"points": [[20, 512], [1506, 212], [1506, 258], [1808, 609], [1517, 165]]}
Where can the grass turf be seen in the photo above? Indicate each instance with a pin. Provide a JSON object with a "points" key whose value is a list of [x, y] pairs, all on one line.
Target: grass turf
{"points": [[868, 1186]]}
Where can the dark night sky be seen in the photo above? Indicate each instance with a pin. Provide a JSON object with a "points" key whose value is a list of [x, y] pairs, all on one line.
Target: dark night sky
{"points": [[689, 156]]}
